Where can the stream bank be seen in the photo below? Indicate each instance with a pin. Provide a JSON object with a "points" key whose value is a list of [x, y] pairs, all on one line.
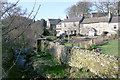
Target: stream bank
{"points": [[23, 65], [49, 67], [43, 65]]}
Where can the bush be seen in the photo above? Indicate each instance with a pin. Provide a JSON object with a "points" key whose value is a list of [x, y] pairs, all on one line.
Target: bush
{"points": [[87, 47], [91, 47], [118, 32], [103, 35], [46, 32], [86, 38], [51, 38], [73, 35], [114, 36]]}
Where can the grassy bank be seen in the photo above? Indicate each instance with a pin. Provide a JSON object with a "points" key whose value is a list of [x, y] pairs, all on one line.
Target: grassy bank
{"points": [[111, 48], [48, 66]]}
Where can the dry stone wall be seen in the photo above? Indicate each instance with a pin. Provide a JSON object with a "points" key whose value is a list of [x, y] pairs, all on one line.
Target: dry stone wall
{"points": [[105, 66], [59, 51], [102, 65]]}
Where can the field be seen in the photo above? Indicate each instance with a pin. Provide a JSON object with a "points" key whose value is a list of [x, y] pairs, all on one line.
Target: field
{"points": [[111, 48]]}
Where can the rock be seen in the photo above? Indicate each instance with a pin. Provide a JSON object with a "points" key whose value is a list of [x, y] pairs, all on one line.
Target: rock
{"points": [[73, 70]]}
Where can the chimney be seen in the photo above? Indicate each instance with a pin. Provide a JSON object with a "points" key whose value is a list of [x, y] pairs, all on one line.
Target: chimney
{"points": [[82, 15], [82, 18], [109, 16], [66, 17]]}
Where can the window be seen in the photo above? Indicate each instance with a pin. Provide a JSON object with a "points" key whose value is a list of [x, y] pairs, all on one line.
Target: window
{"points": [[64, 25], [58, 32], [115, 27], [65, 32], [59, 26], [68, 32], [74, 31], [74, 24], [84, 26], [71, 32]]}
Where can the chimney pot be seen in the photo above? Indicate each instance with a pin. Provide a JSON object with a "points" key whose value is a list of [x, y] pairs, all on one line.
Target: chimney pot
{"points": [[82, 15], [66, 17], [110, 16]]}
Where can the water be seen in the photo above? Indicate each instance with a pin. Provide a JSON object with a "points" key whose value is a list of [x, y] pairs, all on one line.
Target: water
{"points": [[21, 61], [23, 67], [20, 66]]}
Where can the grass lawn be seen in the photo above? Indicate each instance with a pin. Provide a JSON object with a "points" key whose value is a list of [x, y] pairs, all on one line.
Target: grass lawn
{"points": [[68, 44], [111, 48]]}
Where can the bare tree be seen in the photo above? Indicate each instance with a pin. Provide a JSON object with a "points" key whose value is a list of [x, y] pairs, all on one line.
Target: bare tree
{"points": [[16, 28], [107, 6], [78, 9]]}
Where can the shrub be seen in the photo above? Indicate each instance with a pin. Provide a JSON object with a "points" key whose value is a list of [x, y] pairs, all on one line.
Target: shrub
{"points": [[73, 35], [46, 32], [88, 47], [91, 47], [86, 38], [114, 36], [49, 39], [103, 35]]}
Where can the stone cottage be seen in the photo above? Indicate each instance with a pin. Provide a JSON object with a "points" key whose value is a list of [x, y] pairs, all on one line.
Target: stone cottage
{"points": [[51, 23], [89, 26], [69, 26]]}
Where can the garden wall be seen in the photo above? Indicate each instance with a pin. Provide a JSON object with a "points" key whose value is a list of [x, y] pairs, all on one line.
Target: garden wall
{"points": [[105, 66], [102, 65]]}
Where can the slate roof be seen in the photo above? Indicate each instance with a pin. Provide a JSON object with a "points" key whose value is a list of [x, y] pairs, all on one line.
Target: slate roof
{"points": [[53, 21], [115, 19], [76, 19], [95, 20], [59, 23], [95, 14]]}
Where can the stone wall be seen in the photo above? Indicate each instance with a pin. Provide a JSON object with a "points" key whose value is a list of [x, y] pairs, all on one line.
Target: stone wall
{"points": [[105, 66], [59, 51]]}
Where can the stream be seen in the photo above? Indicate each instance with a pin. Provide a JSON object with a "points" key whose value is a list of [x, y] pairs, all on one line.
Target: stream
{"points": [[23, 67]]}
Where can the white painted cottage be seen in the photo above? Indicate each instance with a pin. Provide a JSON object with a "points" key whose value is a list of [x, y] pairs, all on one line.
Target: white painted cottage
{"points": [[69, 26]]}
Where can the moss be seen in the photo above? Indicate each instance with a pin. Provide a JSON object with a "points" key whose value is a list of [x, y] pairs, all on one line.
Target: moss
{"points": [[54, 71]]}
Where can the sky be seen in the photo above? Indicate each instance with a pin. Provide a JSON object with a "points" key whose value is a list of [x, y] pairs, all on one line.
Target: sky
{"points": [[48, 9]]}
